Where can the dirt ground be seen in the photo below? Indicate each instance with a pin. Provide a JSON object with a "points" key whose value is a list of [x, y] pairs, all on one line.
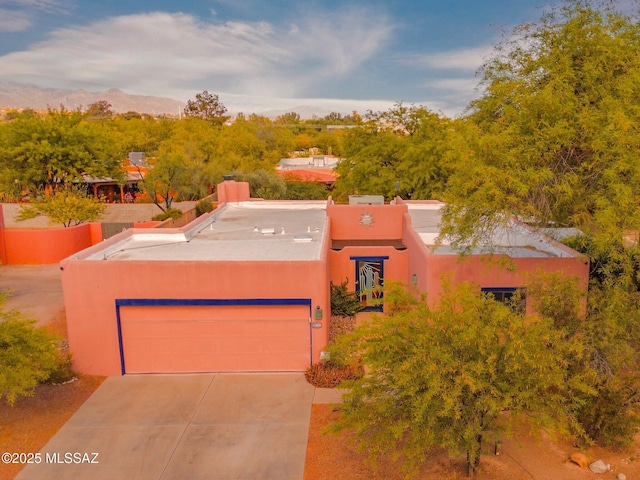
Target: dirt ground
{"points": [[36, 290], [32, 421], [28, 426], [523, 457]]}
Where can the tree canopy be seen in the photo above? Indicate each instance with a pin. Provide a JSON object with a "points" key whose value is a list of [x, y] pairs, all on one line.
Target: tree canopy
{"points": [[206, 106], [68, 207], [445, 376], [57, 147], [412, 146], [557, 128]]}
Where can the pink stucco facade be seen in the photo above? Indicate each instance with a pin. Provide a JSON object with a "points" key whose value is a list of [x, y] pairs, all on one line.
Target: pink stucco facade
{"points": [[140, 303]]}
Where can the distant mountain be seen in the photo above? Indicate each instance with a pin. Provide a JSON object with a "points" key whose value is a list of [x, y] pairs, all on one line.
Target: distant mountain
{"points": [[27, 96]]}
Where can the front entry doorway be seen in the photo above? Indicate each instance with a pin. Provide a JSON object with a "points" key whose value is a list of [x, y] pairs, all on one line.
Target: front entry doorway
{"points": [[369, 282]]}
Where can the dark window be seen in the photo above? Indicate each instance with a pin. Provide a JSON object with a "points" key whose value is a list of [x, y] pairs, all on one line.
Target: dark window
{"points": [[513, 297]]}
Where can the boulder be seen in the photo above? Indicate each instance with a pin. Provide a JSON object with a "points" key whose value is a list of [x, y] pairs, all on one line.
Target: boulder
{"points": [[621, 476], [579, 459], [599, 467]]}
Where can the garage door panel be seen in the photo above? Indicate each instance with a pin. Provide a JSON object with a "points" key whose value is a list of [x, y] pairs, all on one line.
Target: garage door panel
{"points": [[215, 338]]}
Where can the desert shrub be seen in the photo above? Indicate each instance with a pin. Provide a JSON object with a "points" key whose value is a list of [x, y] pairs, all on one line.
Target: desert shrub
{"points": [[343, 302], [610, 419], [64, 371], [204, 206], [327, 374], [29, 355], [174, 213]]}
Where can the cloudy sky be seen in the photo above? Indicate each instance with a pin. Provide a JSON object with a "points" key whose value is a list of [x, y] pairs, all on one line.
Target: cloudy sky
{"points": [[335, 55]]}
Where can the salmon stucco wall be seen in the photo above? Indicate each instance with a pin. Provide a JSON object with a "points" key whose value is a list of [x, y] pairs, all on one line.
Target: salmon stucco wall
{"points": [[45, 246], [498, 271], [418, 254], [349, 222], [91, 287]]}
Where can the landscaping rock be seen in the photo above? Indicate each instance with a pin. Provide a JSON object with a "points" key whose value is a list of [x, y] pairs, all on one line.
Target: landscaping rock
{"points": [[579, 459], [621, 476], [599, 467], [340, 325]]}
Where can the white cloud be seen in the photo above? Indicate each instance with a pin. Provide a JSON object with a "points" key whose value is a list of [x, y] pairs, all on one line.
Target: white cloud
{"points": [[50, 6], [11, 21], [454, 85], [157, 53], [20, 14], [462, 59]]}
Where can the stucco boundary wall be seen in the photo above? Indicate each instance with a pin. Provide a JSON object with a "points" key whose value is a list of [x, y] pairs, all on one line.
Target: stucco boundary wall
{"points": [[45, 246], [36, 246]]}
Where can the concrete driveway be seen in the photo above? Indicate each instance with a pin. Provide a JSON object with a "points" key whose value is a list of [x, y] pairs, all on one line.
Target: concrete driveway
{"points": [[200, 426]]}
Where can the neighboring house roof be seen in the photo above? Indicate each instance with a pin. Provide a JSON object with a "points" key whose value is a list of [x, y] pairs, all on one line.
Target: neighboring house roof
{"points": [[132, 174], [315, 161], [129, 177]]}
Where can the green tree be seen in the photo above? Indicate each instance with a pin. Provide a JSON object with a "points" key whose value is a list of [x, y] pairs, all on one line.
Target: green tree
{"points": [[558, 132], [610, 331], [29, 355], [56, 148], [198, 143], [144, 134], [555, 139], [410, 145], [263, 184], [301, 190], [206, 106], [165, 179], [100, 110], [68, 207], [445, 376]]}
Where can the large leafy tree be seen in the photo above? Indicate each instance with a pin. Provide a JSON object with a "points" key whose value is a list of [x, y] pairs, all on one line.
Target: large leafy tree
{"points": [[41, 151], [263, 184], [206, 106], [100, 110], [558, 131], [412, 146], [166, 177], [556, 141], [198, 143], [446, 376]]}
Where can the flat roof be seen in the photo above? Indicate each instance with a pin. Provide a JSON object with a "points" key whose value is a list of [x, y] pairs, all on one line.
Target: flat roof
{"points": [[515, 239], [244, 231]]}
